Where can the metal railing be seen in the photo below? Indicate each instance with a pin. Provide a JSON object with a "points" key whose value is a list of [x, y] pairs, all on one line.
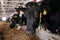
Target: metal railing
{"points": [[9, 5]]}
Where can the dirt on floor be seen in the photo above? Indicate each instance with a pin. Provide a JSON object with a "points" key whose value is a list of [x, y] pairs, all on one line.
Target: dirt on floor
{"points": [[12, 34]]}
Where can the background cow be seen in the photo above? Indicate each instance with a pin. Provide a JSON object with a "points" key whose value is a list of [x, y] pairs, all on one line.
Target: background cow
{"points": [[51, 19], [18, 18]]}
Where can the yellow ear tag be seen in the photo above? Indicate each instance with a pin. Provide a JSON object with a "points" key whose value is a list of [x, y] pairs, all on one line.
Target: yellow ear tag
{"points": [[40, 16], [44, 12]]}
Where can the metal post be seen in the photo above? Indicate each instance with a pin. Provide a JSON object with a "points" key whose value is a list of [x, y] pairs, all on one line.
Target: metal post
{"points": [[2, 7]]}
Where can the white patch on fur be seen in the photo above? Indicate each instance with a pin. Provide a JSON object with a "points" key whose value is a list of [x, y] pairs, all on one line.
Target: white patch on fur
{"points": [[18, 27], [20, 15], [38, 27]]}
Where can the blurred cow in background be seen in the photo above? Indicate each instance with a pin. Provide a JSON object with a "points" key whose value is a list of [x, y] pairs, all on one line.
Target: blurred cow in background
{"points": [[21, 11], [18, 18], [51, 20]]}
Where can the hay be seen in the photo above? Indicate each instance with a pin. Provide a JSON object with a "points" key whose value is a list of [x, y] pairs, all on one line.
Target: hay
{"points": [[13, 34]]}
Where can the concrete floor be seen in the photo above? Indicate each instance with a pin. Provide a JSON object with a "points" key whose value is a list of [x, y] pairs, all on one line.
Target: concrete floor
{"points": [[46, 35]]}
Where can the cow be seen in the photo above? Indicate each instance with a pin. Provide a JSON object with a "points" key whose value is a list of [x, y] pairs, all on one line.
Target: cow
{"points": [[51, 20], [18, 18], [14, 20], [31, 15], [21, 11]]}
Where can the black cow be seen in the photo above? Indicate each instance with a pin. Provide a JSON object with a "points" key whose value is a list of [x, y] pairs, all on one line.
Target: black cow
{"points": [[20, 8], [18, 18], [31, 14], [14, 20], [52, 20]]}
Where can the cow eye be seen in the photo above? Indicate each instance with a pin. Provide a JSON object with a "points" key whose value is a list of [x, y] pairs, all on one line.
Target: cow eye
{"points": [[15, 16], [33, 6], [28, 6]]}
